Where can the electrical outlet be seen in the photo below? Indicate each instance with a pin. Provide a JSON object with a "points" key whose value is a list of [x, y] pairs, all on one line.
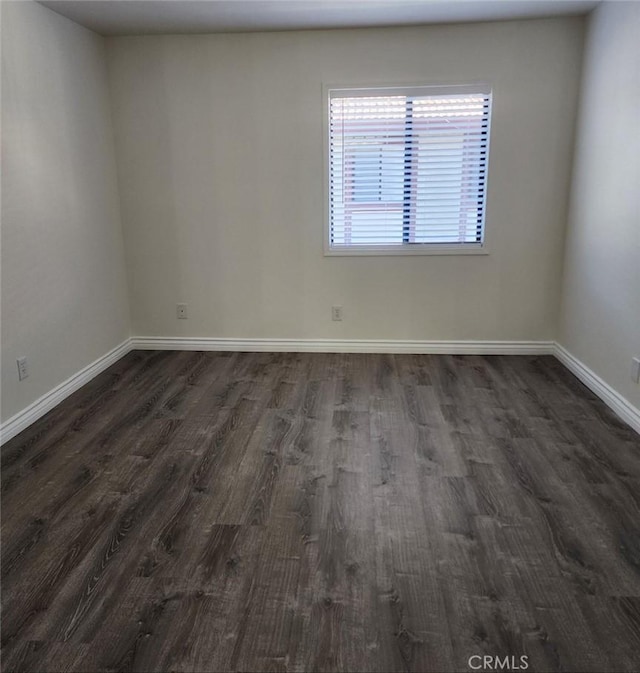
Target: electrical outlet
{"points": [[336, 313], [635, 370], [23, 371], [181, 310]]}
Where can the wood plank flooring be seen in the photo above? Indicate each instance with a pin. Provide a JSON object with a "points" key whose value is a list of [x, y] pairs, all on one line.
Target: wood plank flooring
{"points": [[322, 512]]}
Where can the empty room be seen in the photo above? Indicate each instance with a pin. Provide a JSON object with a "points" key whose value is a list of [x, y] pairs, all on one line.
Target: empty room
{"points": [[320, 335]]}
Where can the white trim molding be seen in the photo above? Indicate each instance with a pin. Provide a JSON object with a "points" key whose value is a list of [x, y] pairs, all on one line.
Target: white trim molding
{"points": [[12, 426], [345, 346], [604, 391], [613, 399]]}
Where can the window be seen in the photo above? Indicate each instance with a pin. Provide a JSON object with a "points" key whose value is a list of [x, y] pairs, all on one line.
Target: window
{"points": [[407, 169]]}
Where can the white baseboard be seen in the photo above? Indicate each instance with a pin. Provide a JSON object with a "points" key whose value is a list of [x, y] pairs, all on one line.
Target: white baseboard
{"points": [[12, 426], [41, 406], [619, 404], [345, 346]]}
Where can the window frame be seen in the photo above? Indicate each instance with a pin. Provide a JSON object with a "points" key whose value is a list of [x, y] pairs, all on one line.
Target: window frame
{"points": [[405, 249]]}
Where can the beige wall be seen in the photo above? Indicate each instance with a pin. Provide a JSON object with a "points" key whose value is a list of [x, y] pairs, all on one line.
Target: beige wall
{"points": [[64, 298], [220, 157], [220, 150], [600, 315]]}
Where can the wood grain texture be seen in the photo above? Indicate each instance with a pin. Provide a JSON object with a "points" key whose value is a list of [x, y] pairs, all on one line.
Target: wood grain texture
{"points": [[191, 511]]}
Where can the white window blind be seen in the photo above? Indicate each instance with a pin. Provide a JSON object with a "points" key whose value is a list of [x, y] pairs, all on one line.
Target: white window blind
{"points": [[407, 168]]}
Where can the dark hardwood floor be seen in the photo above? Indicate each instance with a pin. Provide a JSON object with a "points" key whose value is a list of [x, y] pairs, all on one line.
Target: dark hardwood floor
{"points": [[319, 512]]}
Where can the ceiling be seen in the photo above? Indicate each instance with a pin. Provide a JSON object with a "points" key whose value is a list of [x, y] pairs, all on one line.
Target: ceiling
{"points": [[135, 17]]}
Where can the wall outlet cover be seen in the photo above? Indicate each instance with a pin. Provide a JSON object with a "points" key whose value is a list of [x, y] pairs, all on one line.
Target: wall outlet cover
{"points": [[23, 371], [635, 370]]}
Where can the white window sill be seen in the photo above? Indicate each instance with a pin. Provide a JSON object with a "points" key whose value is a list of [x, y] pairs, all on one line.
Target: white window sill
{"points": [[409, 249]]}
